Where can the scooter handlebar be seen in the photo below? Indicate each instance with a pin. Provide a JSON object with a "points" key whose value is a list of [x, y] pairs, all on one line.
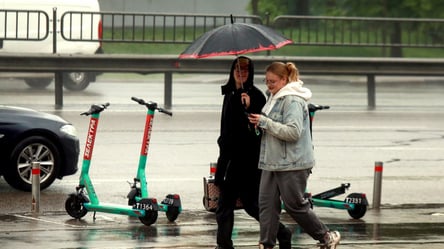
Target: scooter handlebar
{"points": [[165, 111], [314, 107], [151, 105], [96, 108], [140, 101]]}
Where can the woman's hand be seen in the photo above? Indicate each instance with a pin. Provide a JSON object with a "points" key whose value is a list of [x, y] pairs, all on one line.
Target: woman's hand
{"points": [[254, 119]]}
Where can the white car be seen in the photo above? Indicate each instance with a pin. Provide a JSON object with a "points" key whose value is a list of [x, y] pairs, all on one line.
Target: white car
{"points": [[26, 26]]}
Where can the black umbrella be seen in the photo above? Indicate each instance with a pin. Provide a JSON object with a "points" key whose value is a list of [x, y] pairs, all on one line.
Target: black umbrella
{"points": [[235, 39]]}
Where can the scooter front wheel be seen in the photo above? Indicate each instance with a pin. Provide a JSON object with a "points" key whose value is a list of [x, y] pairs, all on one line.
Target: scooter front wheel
{"points": [[74, 206], [172, 213], [149, 218]]}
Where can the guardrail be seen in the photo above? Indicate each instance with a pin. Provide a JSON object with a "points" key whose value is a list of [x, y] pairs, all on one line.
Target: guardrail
{"points": [[168, 65], [183, 28]]}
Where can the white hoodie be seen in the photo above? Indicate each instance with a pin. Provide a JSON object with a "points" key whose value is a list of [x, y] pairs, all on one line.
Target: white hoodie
{"points": [[292, 88]]}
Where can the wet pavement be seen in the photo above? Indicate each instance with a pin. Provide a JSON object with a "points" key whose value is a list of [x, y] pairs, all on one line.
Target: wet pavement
{"points": [[400, 227], [404, 132]]}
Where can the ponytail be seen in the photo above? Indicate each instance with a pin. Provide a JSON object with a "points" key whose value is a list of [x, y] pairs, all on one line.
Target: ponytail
{"points": [[293, 72]]}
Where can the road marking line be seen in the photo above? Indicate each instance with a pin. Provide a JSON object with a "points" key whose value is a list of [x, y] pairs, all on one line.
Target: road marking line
{"points": [[47, 221]]}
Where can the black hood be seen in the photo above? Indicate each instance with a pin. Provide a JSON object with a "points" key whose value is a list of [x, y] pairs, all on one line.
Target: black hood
{"points": [[231, 84]]}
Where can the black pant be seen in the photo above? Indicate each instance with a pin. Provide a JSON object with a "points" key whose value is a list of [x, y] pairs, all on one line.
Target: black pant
{"points": [[229, 193], [248, 194]]}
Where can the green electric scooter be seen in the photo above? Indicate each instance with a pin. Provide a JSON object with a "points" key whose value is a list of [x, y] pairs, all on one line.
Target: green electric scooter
{"points": [[139, 203], [355, 203]]}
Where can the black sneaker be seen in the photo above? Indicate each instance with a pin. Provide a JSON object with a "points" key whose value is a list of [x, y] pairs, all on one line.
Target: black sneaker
{"points": [[284, 238]]}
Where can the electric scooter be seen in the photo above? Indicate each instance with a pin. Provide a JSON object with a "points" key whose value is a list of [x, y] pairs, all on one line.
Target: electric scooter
{"points": [[139, 203], [355, 203]]}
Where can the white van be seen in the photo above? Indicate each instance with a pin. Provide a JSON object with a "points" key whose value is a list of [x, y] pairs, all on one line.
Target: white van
{"points": [[27, 26]]}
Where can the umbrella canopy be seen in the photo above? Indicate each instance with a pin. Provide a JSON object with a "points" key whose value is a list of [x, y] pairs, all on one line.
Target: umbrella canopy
{"points": [[235, 39]]}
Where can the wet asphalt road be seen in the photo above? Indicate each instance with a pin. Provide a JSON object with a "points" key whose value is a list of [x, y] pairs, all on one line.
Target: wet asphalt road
{"points": [[405, 132]]}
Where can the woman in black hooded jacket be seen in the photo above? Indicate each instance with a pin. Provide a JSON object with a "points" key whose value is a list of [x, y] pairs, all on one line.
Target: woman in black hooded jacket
{"points": [[237, 174]]}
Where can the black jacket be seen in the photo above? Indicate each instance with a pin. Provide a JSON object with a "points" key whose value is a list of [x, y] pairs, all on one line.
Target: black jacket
{"points": [[239, 144]]}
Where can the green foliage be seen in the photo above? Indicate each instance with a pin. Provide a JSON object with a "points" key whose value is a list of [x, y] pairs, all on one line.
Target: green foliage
{"points": [[272, 8], [361, 8], [379, 8], [359, 33]]}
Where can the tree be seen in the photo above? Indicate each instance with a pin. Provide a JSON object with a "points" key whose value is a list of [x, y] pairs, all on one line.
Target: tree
{"points": [[361, 8], [275, 8]]}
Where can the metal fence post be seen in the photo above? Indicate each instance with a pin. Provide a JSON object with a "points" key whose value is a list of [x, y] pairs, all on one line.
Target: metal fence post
{"points": [[371, 91], [58, 77], [168, 90], [35, 187], [377, 185], [58, 81]]}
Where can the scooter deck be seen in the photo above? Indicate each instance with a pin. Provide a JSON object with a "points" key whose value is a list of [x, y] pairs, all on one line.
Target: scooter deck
{"points": [[333, 204], [114, 209]]}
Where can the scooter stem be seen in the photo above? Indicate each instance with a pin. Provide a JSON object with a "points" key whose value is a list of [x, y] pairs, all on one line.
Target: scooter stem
{"points": [[85, 180], [141, 174]]}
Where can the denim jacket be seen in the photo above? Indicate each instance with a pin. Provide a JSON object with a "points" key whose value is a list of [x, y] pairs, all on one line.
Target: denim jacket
{"points": [[286, 142]]}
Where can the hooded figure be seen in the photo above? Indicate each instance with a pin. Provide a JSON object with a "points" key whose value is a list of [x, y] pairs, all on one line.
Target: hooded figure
{"points": [[237, 174], [238, 142]]}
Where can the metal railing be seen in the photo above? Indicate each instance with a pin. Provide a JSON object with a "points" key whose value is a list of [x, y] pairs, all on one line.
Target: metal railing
{"points": [[24, 25], [148, 27], [124, 27], [361, 31]]}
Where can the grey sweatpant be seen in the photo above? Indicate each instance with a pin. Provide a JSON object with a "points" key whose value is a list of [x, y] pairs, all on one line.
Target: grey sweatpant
{"points": [[288, 186]]}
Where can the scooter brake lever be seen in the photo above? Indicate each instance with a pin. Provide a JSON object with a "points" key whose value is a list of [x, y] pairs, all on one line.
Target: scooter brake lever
{"points": [[165, 111]]}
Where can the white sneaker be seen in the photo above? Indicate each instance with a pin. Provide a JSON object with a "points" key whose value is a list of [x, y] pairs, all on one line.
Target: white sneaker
{"points": [[261, 246], [332, 239]]}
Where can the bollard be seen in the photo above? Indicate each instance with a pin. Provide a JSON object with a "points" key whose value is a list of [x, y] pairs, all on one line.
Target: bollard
{"points": [[213, 167], [35, 208], [377, 185]]}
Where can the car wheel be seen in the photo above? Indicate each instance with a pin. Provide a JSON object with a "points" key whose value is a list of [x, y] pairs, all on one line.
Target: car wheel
{"points": [[38, 83], [76, 81], [33, 149]]}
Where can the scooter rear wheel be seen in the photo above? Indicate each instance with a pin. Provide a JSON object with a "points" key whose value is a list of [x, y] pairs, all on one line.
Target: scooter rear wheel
{"points": [[358, 212], [74, 206], [149, 218]]}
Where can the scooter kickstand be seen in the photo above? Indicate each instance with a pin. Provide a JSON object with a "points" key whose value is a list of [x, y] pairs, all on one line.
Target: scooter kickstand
{"points": [[94, 216]]}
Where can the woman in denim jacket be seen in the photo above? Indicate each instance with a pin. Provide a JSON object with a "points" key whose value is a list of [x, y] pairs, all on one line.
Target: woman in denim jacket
{"points": [[286, 157]]}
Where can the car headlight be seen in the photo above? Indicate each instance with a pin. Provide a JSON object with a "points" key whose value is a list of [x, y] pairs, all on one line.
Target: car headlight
{"points": [[69, 129]]}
